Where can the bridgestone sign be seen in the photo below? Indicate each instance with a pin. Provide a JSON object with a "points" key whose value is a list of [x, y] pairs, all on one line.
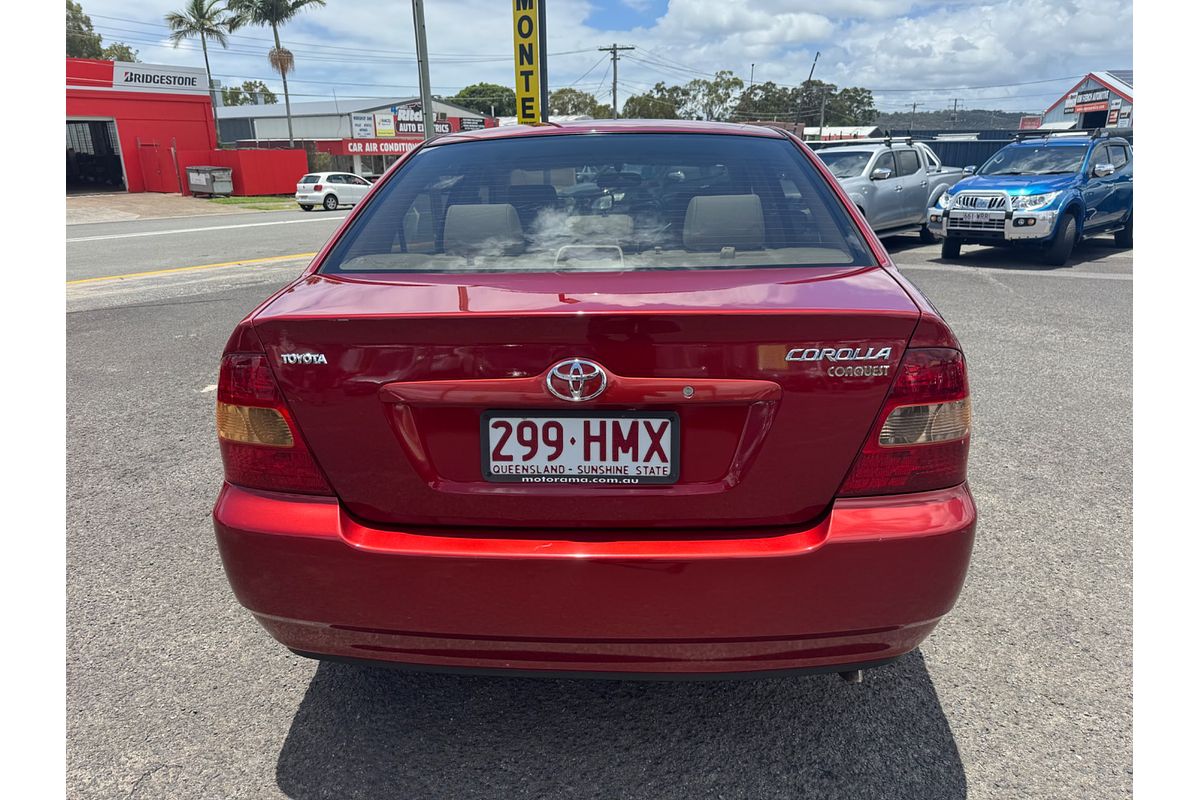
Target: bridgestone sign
{"points": [[159, 80], [154, 78]]}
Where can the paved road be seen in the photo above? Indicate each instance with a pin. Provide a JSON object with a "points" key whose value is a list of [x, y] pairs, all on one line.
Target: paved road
{"points": [[1023, 692], [120, 248]]}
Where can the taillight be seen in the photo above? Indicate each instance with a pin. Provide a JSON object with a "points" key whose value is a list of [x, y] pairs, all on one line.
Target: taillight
{"points": [[921, 438], [260, 444], [317, 188]]}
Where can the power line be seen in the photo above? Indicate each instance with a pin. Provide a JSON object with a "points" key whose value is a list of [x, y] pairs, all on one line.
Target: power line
{"points": [[237, 48], [589, 70], [603, 77], [299, 43]]}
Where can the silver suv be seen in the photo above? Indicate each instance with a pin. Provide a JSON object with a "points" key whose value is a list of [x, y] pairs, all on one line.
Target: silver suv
{"points": [[893, 183]]}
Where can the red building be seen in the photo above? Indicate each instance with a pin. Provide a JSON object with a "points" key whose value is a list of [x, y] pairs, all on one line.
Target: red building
{"points": [[139, 126]]}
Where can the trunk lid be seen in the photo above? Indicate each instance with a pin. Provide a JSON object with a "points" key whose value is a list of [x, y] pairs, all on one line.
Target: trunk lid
{"points": [[411, 368]]}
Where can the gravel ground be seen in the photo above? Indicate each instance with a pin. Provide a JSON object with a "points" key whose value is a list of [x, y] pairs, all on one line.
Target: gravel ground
{"points": [[1022, 692]]}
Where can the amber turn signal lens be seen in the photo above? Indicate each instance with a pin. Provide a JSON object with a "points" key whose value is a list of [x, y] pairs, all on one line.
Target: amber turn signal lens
{"points": [[923, 424], [253, 425]]}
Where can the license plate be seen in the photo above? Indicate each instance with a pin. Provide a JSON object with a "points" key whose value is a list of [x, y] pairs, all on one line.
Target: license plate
{"points": [[976, 216], [616, 447]]}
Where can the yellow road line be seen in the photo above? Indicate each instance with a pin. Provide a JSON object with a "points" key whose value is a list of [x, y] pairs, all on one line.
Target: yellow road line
{"points": [[191, 269]]}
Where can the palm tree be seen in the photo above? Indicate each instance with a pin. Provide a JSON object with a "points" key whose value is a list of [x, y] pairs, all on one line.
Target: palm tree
{"points": [[207, 19], [274, 13]]}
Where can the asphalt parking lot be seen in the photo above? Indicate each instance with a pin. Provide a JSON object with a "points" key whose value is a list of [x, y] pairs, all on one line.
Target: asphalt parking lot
{"points": [[174, 691]]}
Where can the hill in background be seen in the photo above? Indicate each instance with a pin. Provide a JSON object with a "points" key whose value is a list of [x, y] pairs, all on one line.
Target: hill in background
{"points": [[968, 119]]}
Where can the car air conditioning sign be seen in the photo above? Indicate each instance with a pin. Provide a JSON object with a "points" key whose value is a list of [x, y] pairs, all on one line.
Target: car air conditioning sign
{"points": [[370, 147], [129, 77]]}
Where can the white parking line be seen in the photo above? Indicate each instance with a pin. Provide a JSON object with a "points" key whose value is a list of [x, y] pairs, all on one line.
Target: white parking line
{"points": [[969, 270], [321, 218]]}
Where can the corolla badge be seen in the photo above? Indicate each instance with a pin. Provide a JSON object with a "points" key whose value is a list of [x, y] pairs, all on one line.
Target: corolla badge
{"points": [[846, 362], [303, 358], [576, 380], [838, 354]]}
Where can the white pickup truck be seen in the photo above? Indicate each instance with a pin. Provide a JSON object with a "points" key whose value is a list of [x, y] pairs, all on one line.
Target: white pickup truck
{"points": [[894, 183]]}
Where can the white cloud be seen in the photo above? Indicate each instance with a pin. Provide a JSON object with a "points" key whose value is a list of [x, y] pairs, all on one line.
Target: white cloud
{"points": [[873, 43], [641, 6]]}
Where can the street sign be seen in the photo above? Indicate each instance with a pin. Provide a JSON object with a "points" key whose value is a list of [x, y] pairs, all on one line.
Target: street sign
{"points": [[529, 57]]}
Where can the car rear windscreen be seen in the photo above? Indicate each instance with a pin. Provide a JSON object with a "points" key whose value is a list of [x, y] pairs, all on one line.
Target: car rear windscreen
{"points": [[310, 179], [592, 202]]}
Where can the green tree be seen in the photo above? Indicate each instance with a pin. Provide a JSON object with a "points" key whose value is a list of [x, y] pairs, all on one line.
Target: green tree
{"points": [[808, 103], [244, 95], [119, 51], [273, 14], [83, 42], [851, 106], [766, 101], [647, 106], [483, 97], [574, 101], [203, 19], [714, 99], [661, 102]]}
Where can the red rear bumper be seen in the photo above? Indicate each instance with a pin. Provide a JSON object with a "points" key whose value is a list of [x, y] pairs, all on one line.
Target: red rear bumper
{"points": [[867, 583]]}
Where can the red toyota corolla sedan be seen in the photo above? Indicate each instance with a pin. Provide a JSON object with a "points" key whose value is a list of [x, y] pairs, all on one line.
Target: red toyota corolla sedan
{"points": [[619, 398]]}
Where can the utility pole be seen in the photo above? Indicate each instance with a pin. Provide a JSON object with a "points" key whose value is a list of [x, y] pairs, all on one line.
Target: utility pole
{"points": [[821, 129], [615, 58], [800, 96], [418, 7], [752, 76], [912, 121], [954, 115]]}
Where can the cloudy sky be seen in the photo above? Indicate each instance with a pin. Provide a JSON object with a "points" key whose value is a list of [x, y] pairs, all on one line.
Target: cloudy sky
{"points": [[1017, 55]]}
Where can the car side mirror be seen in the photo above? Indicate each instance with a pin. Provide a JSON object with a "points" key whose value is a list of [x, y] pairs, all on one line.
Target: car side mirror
{"points": [[969, 170], [881, 174], [1103, 170]]}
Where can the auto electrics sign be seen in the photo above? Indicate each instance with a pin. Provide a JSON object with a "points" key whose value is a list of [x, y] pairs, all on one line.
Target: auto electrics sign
{"points": [[529, 56], [129, 77]]}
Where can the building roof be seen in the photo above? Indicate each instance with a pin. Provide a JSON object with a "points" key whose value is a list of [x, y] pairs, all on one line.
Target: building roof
{"points": [[835, 132], [325, 108], [1124, 76]]}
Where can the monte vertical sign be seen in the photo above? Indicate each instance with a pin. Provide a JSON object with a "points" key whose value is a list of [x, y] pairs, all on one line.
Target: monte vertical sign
{"points": [[529, 58]]}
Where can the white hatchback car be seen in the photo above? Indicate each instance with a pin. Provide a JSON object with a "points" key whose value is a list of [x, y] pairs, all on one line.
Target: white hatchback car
{"points": [[330, 190]]}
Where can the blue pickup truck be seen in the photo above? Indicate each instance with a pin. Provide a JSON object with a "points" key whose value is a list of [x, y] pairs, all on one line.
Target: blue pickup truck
{"points": [[1044, 192]]}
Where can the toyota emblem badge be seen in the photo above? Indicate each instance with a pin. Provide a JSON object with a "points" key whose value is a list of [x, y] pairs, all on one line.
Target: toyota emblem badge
{"points": [[576, 380]]}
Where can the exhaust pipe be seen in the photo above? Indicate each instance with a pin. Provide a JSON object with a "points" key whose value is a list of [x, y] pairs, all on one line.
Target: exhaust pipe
{"points": [[852, 676]]}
